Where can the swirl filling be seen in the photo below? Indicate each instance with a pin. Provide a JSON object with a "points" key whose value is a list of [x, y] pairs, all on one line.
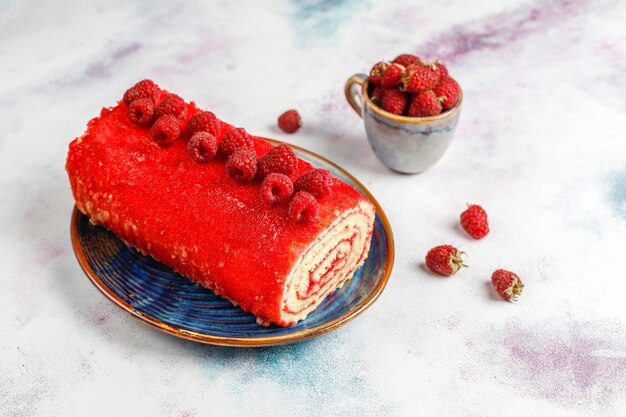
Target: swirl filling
{"points": [[327, 263]]}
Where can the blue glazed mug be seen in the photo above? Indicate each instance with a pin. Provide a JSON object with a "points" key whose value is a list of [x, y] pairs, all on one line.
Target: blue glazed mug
{"points": [[404, 144]]}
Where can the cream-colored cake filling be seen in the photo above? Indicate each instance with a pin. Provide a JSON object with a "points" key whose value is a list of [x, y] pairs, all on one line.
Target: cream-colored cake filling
{"points": [[328, 262]]}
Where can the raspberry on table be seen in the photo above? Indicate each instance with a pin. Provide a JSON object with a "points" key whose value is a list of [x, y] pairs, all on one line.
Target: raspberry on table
{"points": [[317, 182], [141, 111], [280, 159], [392, 76], [377, 71], [448, 90], [419, 77], [474, 221], [234, 139], [508, 285], [425, 104], [143, 89], [276, 188], [444, 260], [303, 207], [290, 121], [202, 147], [204, 122], [165, 130], [241, 164], [172, 104], [406, 59], [394, 101]]}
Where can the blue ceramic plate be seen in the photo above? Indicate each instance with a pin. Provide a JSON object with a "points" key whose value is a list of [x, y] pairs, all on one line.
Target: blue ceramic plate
{"points": [[168, 301]]}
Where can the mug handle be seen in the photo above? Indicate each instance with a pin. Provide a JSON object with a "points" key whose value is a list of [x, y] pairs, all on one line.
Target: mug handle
{"points": [[353, 95]]}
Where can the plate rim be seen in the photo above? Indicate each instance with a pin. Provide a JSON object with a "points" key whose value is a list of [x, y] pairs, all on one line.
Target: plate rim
{"points": [[253, 341]]}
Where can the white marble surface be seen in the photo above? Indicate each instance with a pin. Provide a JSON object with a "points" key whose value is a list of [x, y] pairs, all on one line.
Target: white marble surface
{"points": [[540, 145]]}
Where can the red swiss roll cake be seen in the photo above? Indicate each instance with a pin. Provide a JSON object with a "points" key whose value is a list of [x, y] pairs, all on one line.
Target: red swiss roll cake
{"points": [[230, 211]]}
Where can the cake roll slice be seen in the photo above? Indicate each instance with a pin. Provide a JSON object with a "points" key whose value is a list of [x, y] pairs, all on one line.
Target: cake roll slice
{"points": [[218, 232]]}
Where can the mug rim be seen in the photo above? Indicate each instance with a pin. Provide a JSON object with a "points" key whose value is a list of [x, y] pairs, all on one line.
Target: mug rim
{"points": [[407, 119]]}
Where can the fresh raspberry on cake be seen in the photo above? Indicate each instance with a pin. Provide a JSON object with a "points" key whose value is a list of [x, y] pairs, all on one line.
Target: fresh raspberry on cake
{"points": [[392, 76], [448, 90], [377, 71], [204, 122], [141, 111], [444, 260], [202, 147], [406, 59], [172, 104], [425, 104], [317, 182], [280, 159], [241, 164], [143, 89], [290, 121], [303, 207], [419, 77], [165, 130], [276, 188], [236, 138], [394, 101], [474, 221]]}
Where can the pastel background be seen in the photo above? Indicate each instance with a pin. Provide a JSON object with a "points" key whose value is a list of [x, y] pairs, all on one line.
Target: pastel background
{"points": [[540, 145]]}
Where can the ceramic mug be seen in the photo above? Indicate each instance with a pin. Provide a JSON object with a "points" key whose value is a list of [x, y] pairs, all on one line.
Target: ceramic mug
{"points": [[404, 144]]}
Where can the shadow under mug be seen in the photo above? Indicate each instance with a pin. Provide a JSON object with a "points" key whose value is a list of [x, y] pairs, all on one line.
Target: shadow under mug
{"points": [[404, 144]]}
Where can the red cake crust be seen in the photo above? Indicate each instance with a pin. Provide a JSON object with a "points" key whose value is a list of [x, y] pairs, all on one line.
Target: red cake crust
{"points": [[216, 231]]}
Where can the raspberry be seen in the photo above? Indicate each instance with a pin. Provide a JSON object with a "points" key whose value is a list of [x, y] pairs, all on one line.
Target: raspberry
{"points": [[474, 221], [204, 122], [241, 164], [202, 147], [425, 104], [303, 207], [279, 159], [377, 72], [276, 188], [377, 95], [143, 89], [392, 76], [165, 130], [141, 111], [290, 121], [440, 69], [444, 260], [172, 104], [317, 182], [234, 139], [406, 59], [447, 89], [419, 77], [508, 285], [394, 101]]}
